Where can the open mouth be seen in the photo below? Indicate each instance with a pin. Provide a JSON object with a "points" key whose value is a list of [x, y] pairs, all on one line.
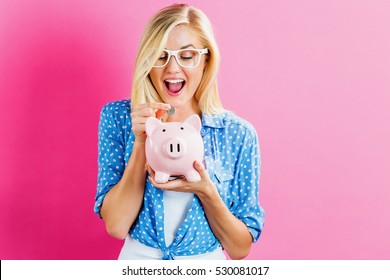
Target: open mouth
{"points": [[174, 87]]}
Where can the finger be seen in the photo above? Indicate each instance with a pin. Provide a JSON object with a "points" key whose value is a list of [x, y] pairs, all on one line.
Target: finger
{"points": [[139, 125], [174, 185], [150, 170], [157, 185], [200, 168], [151, 179], [143, 112], [140, 120], [154, 105]]}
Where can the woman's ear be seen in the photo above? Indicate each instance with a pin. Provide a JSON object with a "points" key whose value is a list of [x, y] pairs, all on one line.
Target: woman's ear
{"points": [[151, 124], [194, 121]]}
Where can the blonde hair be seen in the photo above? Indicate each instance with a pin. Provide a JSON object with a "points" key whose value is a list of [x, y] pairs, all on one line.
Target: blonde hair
{"points": [[152, 43]]}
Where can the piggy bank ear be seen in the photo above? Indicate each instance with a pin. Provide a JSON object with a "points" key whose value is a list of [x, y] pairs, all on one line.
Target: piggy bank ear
{"points": [[194, 121], [151, 124]]}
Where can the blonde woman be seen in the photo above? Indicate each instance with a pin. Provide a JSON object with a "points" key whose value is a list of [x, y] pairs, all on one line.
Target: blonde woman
{"points": [[177, 65]]}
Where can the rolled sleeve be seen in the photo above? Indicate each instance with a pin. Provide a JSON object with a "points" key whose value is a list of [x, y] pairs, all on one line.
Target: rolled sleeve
{"points": [[246, 206], [111, 152]]}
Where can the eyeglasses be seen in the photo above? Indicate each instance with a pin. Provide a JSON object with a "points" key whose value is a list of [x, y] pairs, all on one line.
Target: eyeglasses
{"points": [[186, 58]]}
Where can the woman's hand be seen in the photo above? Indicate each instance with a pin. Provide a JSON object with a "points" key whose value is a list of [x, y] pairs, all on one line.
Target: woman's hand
{"points": [[123, 202], [229, 230], [141, 113], [200, 188]]}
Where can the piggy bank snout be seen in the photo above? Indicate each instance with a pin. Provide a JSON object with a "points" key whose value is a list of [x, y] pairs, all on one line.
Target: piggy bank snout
{"points": [[175, 148]]}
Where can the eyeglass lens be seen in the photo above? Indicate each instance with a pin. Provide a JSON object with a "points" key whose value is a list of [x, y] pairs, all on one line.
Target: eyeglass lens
{"points": [[185, 58]]}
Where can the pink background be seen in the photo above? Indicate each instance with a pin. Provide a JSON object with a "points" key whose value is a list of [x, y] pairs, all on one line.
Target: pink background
{"points": [[313, 77]]}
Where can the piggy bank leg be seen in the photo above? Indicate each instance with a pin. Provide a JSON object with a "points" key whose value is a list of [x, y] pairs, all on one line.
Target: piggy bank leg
{"points": [[161, 177], [192, 176]]}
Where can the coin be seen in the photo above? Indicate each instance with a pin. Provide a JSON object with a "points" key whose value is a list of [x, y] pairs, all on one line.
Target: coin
{"points": [[171, 111]]}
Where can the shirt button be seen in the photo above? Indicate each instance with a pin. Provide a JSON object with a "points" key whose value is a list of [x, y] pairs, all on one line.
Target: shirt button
{"points": [[203, 132]]}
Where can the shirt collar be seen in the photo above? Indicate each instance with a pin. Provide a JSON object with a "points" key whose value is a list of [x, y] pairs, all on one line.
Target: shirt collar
{"points": [[214, 121]]}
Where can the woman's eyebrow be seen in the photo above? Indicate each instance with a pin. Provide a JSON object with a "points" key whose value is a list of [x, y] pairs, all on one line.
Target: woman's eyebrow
{"points": [[187, 46]]}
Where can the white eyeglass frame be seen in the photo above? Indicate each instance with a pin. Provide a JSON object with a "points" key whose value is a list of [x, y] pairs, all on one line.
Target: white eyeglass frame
{"points": [[174, 53]]}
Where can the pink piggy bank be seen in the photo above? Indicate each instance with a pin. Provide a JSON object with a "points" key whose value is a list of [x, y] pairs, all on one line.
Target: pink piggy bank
{"points": [[172, 147]]}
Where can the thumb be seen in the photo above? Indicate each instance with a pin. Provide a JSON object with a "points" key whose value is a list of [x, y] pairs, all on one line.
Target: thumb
{"points": [[200, 168]]}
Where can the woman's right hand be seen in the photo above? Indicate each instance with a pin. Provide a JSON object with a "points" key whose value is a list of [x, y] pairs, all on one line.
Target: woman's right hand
{"points": [[142, 112], [123, 202]]}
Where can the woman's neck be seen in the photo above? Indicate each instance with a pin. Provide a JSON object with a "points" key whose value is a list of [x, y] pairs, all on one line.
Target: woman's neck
{"points": [[183, 113]]}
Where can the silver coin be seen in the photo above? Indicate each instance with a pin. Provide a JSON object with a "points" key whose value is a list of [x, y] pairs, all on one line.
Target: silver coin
{"points": [[171, 111]]}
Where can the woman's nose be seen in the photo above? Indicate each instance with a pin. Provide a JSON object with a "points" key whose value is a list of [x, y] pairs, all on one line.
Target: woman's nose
{"points": [[172, 65]]}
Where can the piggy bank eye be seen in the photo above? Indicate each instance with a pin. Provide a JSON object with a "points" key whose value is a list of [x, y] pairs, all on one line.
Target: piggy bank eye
{"points": [[164, 130], [182, 128]]}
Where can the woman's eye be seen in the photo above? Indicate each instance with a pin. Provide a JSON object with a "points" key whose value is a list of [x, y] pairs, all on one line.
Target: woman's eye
{"points": [[187, 55], [163, 56]]}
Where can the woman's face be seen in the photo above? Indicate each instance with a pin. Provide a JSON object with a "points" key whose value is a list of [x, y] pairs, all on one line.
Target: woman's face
{"points": [[177, 85]]}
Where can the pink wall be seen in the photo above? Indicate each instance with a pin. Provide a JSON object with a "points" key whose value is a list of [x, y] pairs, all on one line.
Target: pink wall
{"points": [[312, 76]]}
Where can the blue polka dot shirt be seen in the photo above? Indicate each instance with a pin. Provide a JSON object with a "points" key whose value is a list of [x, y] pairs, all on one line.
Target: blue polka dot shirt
{"points": [[232, 159]]}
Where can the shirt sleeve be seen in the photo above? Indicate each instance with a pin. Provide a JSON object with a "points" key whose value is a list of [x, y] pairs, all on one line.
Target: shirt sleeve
{"points": [[246, 206], [111, 152]]}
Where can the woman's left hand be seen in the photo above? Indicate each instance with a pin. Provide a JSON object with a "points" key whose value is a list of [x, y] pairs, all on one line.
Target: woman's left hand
{"points": [[200, 188], [229, 230]]}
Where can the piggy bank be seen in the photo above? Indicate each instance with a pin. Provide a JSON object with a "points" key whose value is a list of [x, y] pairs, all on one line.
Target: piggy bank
{"points": [[172, 147]]}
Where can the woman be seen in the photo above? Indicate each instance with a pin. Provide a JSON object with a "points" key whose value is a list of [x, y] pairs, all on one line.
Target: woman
{"points": [[176, 67]]}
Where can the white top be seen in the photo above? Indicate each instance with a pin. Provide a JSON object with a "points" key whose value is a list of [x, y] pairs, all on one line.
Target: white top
{"points": [[176, 206]]}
